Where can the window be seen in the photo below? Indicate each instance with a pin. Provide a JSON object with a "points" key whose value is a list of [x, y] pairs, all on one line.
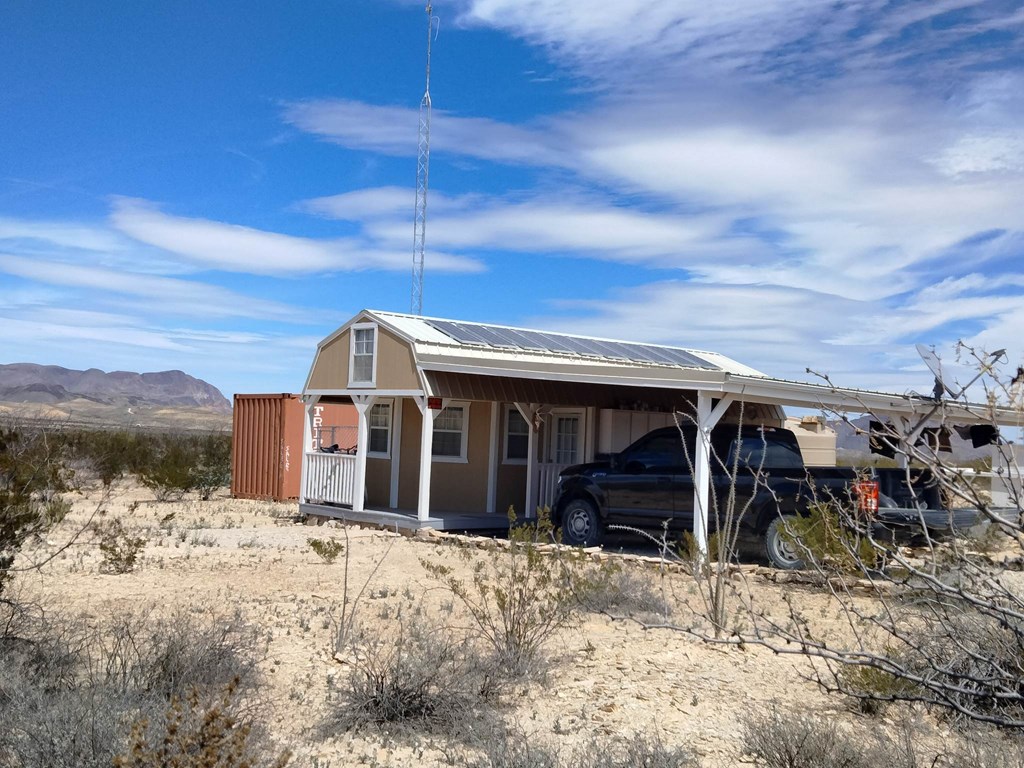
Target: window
{"points": [[756, 452], [517, 436], [566, 439], [363, 363], [451, 427], [658, 453], [380, 430]]}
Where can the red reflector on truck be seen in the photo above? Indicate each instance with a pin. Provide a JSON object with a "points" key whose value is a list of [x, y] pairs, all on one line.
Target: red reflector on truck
{"points": [[866, 492]]}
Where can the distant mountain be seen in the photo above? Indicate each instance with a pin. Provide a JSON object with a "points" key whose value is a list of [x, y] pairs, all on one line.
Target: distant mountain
{"points": [[52, 385]]}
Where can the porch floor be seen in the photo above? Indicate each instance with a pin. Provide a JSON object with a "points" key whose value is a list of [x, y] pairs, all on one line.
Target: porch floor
{"points": [[406, 520]]}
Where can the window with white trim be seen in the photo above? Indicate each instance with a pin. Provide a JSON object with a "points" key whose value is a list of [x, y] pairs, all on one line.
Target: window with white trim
{"points": [[566, 438], [517, 436], [379, 419], [363, 363], [451, 432]]}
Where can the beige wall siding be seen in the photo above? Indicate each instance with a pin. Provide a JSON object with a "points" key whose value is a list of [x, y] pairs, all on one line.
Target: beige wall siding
{"points": [[454, 486], [511, 491], [330, 371], [409, 478], [396, 368], [458, 487], [378, 482]]}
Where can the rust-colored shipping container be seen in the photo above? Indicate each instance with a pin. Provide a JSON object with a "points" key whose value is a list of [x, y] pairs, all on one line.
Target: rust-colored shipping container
{"points": [[266, 445]]}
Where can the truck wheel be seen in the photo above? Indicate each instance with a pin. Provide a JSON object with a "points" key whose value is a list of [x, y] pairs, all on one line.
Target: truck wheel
{"points": [[779, 549], [581, 526]]}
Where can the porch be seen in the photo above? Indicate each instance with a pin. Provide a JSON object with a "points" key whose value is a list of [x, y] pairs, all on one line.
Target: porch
{"points": [[329, 481]]}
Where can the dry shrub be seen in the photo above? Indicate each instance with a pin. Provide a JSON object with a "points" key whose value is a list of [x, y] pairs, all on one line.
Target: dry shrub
{"points": [[70, 691], [421, 678], [197, 735], [644, 749], [519, 597], [790, 740], [614, 589]]}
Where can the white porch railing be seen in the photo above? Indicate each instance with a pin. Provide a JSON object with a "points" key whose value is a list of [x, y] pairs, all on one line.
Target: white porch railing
{"points": [[547, 483], [330, 478]]}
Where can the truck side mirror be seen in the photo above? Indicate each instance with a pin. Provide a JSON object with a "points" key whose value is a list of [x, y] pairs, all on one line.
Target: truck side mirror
{"points": [[635, 467]]}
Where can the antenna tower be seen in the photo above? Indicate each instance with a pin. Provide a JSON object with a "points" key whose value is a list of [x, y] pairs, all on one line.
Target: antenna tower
{"points": [[422, 182]]}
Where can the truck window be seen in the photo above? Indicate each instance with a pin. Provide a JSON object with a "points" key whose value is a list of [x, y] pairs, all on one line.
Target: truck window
{"points": [[755, 451], [658, 453]]}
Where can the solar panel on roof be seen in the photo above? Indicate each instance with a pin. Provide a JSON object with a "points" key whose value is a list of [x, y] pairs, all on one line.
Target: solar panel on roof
{"points": [[524, 339], [686, 359], [514, 338]]}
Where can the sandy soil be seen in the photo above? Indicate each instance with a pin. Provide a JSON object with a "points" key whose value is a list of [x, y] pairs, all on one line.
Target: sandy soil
{"points": [[608, 676]]}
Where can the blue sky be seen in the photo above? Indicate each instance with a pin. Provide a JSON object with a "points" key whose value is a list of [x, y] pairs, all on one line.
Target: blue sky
{"points": [[216, 186]]}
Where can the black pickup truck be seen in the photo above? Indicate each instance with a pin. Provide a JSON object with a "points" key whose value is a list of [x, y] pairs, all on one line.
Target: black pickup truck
{"points": [[651, 483]]}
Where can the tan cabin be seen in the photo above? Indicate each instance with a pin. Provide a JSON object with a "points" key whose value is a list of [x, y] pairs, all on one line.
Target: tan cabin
{"points": [[458, 421]]}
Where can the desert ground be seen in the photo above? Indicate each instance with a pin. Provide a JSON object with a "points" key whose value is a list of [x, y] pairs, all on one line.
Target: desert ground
{"points": [[606, 676]]}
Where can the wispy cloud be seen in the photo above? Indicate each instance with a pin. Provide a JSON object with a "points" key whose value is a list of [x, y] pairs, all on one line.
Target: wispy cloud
{"points": [[173, 295], [392, 130], [233, 248]]}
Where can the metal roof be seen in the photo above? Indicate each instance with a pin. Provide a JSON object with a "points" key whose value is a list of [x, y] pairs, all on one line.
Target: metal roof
{"points": [[504, 340], [456, 354]]}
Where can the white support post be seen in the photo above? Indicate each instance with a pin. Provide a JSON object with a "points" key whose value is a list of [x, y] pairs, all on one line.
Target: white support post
{"points": [[529, 411], [307, 439], [426, 451], [707, 418], [363, 403], [905, 440]]}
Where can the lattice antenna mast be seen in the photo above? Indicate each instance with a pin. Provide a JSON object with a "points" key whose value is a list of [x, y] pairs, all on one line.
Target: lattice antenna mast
{"points": [[422, 182]]}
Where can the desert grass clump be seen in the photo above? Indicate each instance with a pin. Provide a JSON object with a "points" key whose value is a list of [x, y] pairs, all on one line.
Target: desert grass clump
{"points": [[644, 749], [512, 748]]}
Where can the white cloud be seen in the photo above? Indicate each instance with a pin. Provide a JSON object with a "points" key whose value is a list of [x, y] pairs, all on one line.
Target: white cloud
{"points": [[233, 248], [62, 233], [393, 130], [166, 294], [381, 202]]}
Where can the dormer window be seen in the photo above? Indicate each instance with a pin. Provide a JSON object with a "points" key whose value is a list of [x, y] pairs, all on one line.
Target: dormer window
{"points": [[363, 364]]}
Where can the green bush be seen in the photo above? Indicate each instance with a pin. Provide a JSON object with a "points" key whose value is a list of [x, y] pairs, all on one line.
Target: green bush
{"points": [[172, 465], [872, 688], [326, 549], [119, 548], [822, 537], [33, 475]]}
